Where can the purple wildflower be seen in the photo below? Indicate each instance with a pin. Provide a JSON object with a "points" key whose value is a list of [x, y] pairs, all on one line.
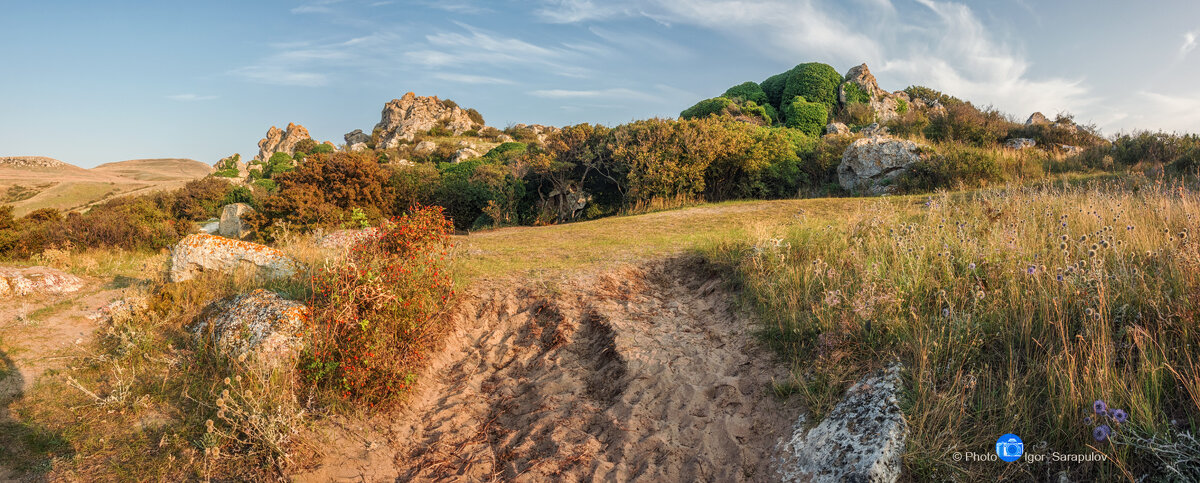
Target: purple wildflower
{"points": [[1031, 269], [1087, 420], [971, 266], [1059, 277], [1100, 407], [1120, 416], [1101, 432]]}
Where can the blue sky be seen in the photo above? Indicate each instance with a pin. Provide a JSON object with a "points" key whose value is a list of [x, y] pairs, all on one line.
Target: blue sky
{"points": [[94, 82]]}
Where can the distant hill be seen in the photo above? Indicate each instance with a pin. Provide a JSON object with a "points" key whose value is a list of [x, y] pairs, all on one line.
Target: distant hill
{"points": [[34, 182]]}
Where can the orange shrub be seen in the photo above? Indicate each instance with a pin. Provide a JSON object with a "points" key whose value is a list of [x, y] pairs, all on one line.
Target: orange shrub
{"points": [[377, 313]]}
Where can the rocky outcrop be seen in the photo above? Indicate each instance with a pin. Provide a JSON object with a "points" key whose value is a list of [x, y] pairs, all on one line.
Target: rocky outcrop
{"points": [[1036, 119], [230, 164], [200, 253], [861, 440], [231, 224], [882, 102], [30, 162], [402, 119], [871, 163], [504, 138], [281, 141], [260, 328], [1020, 143], [357, 140], [874, 129], [1070, 150], [17, 282], [464, 154], [835, 129]]}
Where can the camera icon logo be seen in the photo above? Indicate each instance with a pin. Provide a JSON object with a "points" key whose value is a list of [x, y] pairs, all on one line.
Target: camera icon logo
{"points": [[1010, 447]]}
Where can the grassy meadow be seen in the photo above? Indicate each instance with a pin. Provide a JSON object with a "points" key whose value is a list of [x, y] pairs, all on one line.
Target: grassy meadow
{"points": [[1013, 309]]}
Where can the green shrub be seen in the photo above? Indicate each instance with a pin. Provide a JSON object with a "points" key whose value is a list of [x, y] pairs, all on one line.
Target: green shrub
{"points": [[449, 103], [476, 117], [808, 117], [747, 91], [266, 184], [239, 194], [855, 94], [952, 166], [929, 95], [901, 106], [506, 153], [324, 190], [466, 189], [304, 147], [708, 107], [377, 315], [773, 88], [815, 82], [965, 123], [227, 173], [440, 131], [322, 149], [908, 124], [278, 163]]}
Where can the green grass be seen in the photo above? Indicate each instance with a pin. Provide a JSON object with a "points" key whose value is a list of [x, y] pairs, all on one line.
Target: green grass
{"points": [[965, 291]]}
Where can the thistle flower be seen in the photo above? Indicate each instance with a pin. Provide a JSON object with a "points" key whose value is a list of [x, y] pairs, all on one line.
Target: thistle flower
{"points": [[1101, 432], [1031, 269], [1087, 420], [1099, 406], [1120, 416], [971, 266]]}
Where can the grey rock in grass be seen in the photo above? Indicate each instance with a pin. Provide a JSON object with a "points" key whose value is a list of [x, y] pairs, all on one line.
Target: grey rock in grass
{"points": [[870, 164], [1020, 143], [861, 440], [355, 138], [16, 282], [836, 129], [425, 147], [464, 155], [231, 224], [1036, 119], [260, 327]]}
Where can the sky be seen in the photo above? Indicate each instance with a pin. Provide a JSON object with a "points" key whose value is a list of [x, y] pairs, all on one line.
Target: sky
{"points": [[93, 82]]}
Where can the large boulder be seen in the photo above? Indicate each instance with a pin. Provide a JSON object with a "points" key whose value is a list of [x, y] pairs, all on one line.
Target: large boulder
{"points": [[883, 103], [16, 282], [836, 129], [200, 253], [357, 140], [871, 163], [464, 154], [425, 147], [260, 328], [402, 119], [231, 224], [862, 439], [281, 141], [1036, 119]]}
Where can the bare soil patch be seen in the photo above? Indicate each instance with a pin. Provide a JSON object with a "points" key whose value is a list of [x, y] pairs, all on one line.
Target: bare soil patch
{"points": [[646, 372]]}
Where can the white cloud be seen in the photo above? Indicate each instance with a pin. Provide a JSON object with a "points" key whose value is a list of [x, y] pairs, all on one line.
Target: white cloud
{"points": [[471, 79], [474, 47], [1189, 44], [190, 97], [312, 64]]}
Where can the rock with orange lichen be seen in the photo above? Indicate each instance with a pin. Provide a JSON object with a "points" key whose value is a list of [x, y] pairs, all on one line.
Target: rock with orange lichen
{"points": [[16, 282], [260, 328], [207, 253]]}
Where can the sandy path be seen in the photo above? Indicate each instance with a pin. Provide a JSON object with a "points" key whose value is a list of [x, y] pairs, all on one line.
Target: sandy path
{"points": [[642, 373]]}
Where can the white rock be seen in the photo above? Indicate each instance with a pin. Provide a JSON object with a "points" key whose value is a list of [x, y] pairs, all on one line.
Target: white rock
{"points": [[870, 163], [16, 282], [260, 325], [231, 224]]}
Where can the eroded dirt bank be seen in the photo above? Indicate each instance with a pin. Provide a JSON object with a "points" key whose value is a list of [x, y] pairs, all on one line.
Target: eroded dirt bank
{"points": [[645, 372]]}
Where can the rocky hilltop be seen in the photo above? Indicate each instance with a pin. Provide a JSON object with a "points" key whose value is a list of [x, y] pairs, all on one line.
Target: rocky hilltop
{"points": [[402, 119], [281, 141], [31, 162]]}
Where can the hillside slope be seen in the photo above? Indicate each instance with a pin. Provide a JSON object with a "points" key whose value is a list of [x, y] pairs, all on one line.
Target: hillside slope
{"points": [[30, 183]]}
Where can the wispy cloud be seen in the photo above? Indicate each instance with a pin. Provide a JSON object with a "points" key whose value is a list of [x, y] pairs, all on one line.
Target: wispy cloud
{"points": [[318, 6], [1189, 44], [471, 79], [191, 97], [313, 64], [616, 93], [474, 47]]}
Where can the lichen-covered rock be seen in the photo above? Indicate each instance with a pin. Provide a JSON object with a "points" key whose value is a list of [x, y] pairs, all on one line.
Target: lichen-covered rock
{"points": [[231, 224], [281, 141], [874, 129], [261, 326], [203, 253], [871, 163], [835, 129], [1070, 150], [402, 119], [425, 147], [1020, 143], [861, 440], [16, 282]]}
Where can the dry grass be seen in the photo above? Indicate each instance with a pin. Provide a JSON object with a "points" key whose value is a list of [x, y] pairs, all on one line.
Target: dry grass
{"points": [[1013, 310]]}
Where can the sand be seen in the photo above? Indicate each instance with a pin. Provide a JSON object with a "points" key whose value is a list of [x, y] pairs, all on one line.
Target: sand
{"points": [[643, 373]]}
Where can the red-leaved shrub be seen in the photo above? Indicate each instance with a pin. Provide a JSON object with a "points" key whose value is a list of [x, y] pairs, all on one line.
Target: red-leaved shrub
{"points": [[376, 313]]}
